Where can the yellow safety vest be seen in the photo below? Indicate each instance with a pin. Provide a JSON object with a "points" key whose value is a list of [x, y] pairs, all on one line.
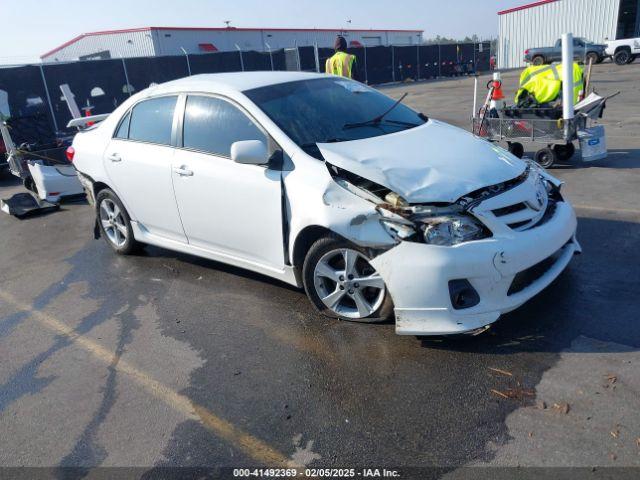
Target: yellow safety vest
{"points": [[544, 82], [340, 64]]}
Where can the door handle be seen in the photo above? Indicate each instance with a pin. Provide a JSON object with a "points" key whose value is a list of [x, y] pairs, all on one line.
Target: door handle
{"points": [[114, 157], [183, 171]]}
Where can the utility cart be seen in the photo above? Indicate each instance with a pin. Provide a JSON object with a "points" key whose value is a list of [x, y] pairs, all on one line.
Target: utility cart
{"points": [[545, 128]]}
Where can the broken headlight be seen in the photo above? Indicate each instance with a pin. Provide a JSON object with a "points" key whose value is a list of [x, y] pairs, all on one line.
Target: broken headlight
{"points": [[400, 230], [452, 229]]}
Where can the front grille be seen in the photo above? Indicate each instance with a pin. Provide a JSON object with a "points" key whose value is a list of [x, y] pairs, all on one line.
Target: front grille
{"points": [[527, 277], [520, 216], [517, 225], [517, 207]]}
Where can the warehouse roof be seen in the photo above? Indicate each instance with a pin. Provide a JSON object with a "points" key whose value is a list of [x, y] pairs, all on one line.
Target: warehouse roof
{"points": [[218, 29], [524, 7]]}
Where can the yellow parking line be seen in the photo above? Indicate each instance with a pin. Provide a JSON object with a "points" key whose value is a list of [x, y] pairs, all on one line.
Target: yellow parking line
{"points": [[612, 209], [252, 446]]}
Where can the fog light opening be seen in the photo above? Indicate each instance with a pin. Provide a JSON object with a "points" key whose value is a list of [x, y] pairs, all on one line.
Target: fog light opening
{"points": [[462, 294]]}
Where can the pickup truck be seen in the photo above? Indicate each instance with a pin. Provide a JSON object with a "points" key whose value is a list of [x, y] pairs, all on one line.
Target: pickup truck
{"points": [[583, 51], [623, 51]]}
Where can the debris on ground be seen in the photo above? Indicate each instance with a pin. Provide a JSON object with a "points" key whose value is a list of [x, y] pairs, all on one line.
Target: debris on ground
{"points": [[501, 372], [25, 204], [517, 393], [541, 405], [499, 394], [562, 407], [611, 381]]}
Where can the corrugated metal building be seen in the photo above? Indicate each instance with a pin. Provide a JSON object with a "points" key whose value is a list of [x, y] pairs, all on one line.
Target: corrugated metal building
{"points": [[541, 23], [159, 41]]}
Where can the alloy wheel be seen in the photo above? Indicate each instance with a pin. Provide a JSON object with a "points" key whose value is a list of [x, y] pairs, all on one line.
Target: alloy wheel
{"points": [[113, 222], [347, 284]]}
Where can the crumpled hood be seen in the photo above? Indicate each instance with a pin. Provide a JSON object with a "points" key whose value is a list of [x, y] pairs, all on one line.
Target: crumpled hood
{"points": [[434, 162]]}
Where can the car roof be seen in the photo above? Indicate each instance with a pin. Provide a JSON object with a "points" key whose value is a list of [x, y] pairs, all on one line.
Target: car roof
{"points": [[234, 81]]}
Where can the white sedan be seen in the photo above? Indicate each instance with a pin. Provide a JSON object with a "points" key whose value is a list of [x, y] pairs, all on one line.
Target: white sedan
{"points": [[327, 184]]}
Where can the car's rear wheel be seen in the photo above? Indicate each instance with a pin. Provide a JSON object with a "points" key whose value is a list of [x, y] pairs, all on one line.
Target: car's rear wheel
{"points": [[114, 223], [538, 60], [341, 282]]}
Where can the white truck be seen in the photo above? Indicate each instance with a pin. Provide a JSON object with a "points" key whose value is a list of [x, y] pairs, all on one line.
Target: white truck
{"points": [[623, 51]]}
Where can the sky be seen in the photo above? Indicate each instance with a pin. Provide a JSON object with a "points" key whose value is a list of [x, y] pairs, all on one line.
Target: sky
{"points": [[33, 27]]}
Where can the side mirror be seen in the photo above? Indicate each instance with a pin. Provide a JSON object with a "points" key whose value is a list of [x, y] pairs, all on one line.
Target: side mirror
{"points": [[251, 152]]}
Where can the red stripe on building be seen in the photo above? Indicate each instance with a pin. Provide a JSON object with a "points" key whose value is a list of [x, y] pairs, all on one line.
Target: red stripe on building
{"points": [[525, 7]]}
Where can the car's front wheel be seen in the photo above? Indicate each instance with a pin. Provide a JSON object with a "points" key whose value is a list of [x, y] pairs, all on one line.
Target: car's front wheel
{"points": [[341, 283], [114, 223], [592, 57]]}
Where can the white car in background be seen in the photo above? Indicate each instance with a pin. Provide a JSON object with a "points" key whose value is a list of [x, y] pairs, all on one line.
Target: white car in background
{"points": [[326, 183], [623, 51]]}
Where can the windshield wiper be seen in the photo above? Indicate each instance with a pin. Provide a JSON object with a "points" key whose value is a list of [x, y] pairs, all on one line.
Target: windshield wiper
{"points": [[377, 120]]}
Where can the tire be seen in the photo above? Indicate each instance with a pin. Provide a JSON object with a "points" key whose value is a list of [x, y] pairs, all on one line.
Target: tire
{"points": [[325, 276], [593, 56], [114, 223], [545, 157], [537, 60], [564, 152], [622, 57], [516, 149]]}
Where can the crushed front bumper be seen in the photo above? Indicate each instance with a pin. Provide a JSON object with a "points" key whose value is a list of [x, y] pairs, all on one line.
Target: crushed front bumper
{"points": [[417, 275]]}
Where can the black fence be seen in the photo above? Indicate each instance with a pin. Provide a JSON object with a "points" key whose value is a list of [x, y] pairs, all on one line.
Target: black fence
{"points": [[101, 85]]}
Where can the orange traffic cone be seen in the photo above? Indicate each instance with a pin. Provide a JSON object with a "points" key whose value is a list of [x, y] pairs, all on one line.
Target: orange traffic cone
{"points": [[497, 94]]}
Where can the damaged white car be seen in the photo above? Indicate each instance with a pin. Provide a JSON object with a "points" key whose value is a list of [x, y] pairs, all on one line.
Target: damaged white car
{"points": [[325, 183]]}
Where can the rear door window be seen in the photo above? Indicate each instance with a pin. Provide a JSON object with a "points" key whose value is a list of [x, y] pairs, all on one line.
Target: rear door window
{"points": [[152, 120], [212, 125]]}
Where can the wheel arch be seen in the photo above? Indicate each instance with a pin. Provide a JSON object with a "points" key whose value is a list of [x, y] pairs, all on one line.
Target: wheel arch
{"points": [[303, 241], [99, 186], [620, 48]]}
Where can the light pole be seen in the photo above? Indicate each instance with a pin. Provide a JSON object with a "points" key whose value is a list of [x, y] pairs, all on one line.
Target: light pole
{"points": [[241, 60], [270, 54], [187, 57]]}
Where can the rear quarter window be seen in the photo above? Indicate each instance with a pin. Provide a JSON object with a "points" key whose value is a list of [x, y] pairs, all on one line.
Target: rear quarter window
{"points": [[123, 128]]}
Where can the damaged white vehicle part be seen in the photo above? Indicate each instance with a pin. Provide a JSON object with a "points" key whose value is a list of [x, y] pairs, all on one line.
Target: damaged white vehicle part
{"points": [[326, 183], [54, 181]]}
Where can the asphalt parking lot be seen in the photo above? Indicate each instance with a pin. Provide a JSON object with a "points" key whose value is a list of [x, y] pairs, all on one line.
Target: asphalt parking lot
{"points": [[163, 359]]}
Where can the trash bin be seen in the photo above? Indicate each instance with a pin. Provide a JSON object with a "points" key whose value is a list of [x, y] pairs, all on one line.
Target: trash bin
{"points": [[593, 144]]}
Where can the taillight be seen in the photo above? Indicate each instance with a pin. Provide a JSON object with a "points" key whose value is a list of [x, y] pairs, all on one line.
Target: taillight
{"points": [[526, 52], [70, 153]]}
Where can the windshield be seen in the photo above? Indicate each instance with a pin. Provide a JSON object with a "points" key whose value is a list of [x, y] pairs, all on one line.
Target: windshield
{"points": [[328, 110]]}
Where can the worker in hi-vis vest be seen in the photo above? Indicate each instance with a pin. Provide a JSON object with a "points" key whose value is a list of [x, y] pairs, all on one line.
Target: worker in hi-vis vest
{"points": [[342, 63]]}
